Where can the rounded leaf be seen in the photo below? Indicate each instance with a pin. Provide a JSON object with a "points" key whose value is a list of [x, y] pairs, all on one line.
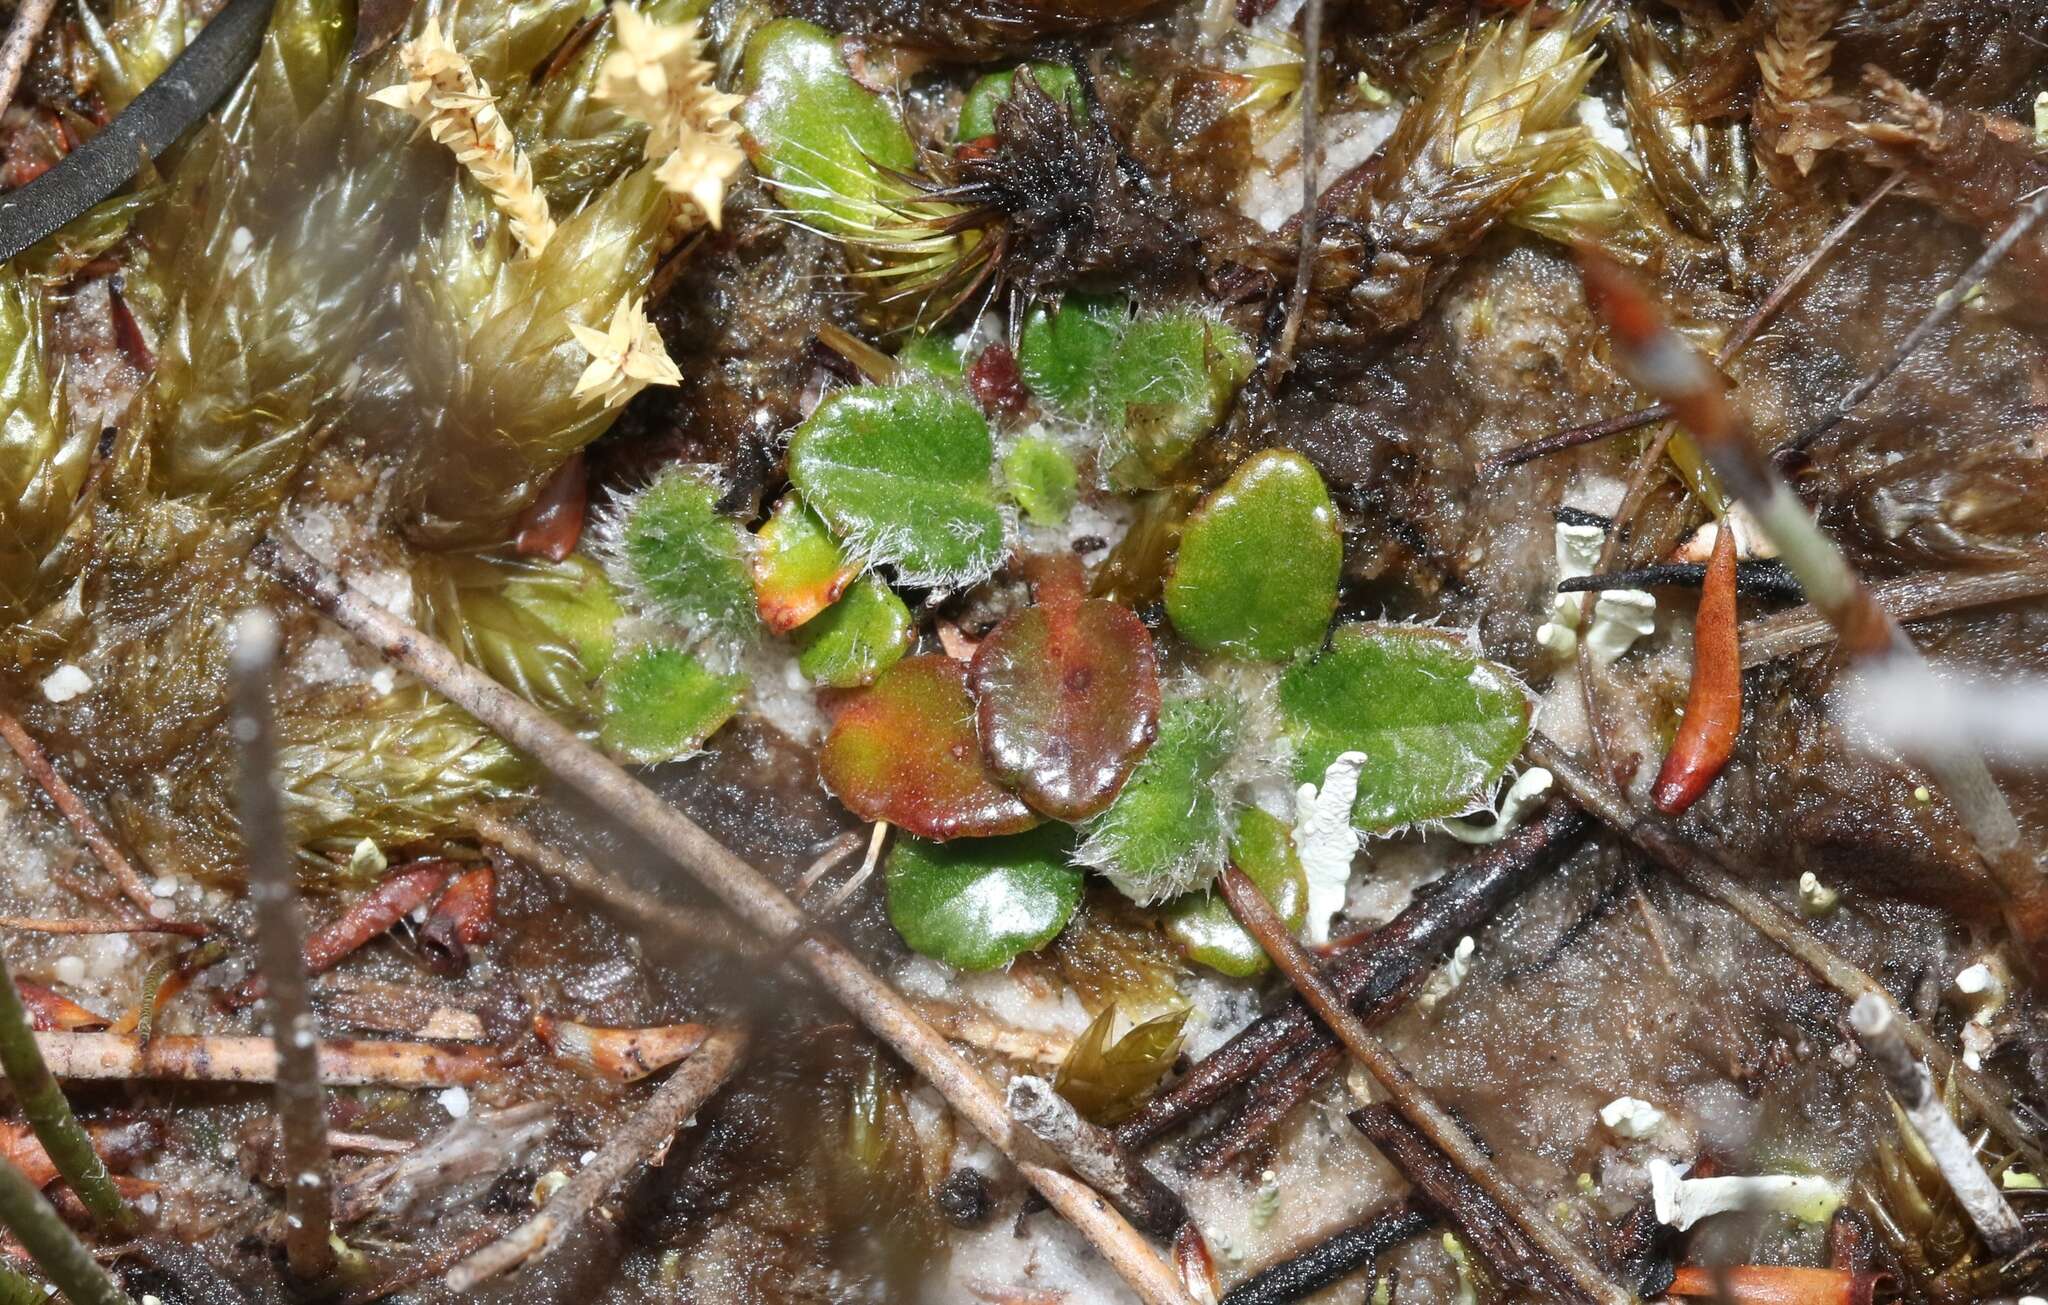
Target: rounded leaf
{"points": [[798, 568], [661, 703], [857, 638], [1259, 562], [1202, 924], [977, 904], [681, 560], [816, 131], [1165, 832], [1437, 723], [1067, 698], [903, 750], [905, 474]]}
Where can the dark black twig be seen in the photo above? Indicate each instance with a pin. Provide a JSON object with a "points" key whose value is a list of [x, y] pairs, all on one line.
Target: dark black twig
{"points": [[1332, 1259], [1764, 577]]}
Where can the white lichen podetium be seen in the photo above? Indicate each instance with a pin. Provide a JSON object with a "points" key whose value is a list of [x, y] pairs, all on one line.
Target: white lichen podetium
{"points": [[625, 358], [444, 94], [1325, 841], [1681, 1202], [657, 74]]}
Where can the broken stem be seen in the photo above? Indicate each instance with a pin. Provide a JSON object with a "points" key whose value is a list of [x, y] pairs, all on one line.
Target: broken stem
{"points": [[344, 1062], [1568, 1272], [280, 938], [1909, 599], [1311, 166], [644, 1137], [1877, 1028], [104, 849], [22, 34], [1331, 1259], [1701, 872], [743, 889], [56, 1250], [49, 1114], [1095, 1157]]}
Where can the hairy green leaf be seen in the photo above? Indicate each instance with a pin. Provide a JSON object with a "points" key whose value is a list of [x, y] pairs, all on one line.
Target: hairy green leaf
{"points": [[1165, 833], [815, 131], [798, 568], [905, 475], [1041, 480], [681, 561], [661, 703], [1437, 723]]}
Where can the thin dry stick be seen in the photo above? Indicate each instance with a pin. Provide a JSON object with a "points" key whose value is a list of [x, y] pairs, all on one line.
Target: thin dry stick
{"points": [[49, 1113], [1946, 305], [104, 849], [1909, 599], [1702, 874], [345, 1062], [280, 939], [1734, 345], [742, 888], [1631, 503], [1663, 362], [647, 1134], [51, 1243], [1311, 166], [31, 924], [1256, 915], [1877, 1028], [22, 34], [1094, 1155]]}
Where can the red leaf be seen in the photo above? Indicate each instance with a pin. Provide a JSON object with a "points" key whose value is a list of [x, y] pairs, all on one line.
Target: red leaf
{"points": [[903, 750], [1068, 697]]}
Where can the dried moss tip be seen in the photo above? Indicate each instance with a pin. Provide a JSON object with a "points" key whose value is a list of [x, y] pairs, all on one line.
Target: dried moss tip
{"points": [[625, 358], [458, 110], [657, 74]]}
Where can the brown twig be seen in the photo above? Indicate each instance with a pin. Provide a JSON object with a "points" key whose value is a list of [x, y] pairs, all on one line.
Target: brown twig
{"points": [[22, 34], [1877, 1027], [1282, 359], [104, 849], [1703, 874], [1946, 305], [1735, 344], [645, 1135], [1095, 1157], [31, 924], [344, 1062], [1374, 974], [1547, 1259], [1331, 1259], [1909, 599], [1631, 502], [744, 890], [974, 1029], [280, 943]]}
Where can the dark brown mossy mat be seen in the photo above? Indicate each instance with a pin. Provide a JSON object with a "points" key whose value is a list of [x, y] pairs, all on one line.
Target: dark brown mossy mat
{"points": [[893, 674]]}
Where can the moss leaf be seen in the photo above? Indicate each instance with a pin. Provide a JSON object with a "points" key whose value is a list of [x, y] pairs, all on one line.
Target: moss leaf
{"points": [[1165, 833], [976, 904], [905, 475], [1108, 1075], [857, 638], [1259, 562], [903, 750], [1437, 724], [1201, 923], [661, 703], [1067, 699]]}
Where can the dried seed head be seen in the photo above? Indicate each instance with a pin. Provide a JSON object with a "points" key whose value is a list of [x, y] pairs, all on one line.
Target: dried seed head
{"points": [[657, 74], [625, 358], [458, 110]]}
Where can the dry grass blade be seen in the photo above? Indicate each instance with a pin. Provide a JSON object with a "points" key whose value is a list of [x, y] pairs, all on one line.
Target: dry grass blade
{"points": [[280, 936], [644, 1136], [745, 890], [1553, 1263]]}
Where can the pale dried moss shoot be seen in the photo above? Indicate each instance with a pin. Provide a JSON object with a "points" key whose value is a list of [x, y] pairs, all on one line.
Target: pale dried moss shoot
{"points": [[658, 75], [625, 358]]}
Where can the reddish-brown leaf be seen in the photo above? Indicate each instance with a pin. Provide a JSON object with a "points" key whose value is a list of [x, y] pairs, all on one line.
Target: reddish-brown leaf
{"points": [[1067, 698], [903, 750]]}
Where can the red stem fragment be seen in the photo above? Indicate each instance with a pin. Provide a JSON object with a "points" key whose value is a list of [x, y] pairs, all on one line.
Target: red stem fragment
{"points": [[1713, 707], [48, 1009], [462, 919], [553, 523], [391, 901], [1776, 1284]]}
